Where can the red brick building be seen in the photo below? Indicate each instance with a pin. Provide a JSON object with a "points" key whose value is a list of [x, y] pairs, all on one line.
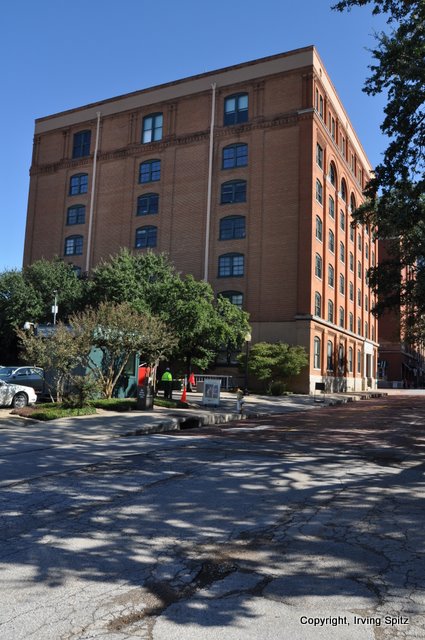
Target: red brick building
{"points": [[247, 177]]}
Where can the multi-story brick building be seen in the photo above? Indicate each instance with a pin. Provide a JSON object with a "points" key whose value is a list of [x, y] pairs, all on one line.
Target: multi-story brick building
{"points": [[247, 177]]}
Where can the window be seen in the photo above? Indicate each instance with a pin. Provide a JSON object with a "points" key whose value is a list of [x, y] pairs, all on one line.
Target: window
{"points": [[317, 304], [146, 237], [319, 191], [74, 246], [78, 184], [350, 360], [333, 128], [235, 297], [332, 174], [366, 330], [147, 203], [373, 333], [81, 144], [351, 262], [231, 264], [359, 361], [343, 190], [366, 251], [330, 311], [152, 128], [359, 242], [359, 269], [359, 326], [321, 106], [236, 109], [341, 283], [331, 241], [235, 155], [150, 171], [318, 266], [351, 233], [352, 203], [342, 220], [341, 358], [351, 321], [341, 316], [232, 227], [331, 207], [331, 275], [366, 303], [330, 357], [351, 290], [373, 258], [316, 353], [319, 155], [359, 297], [319, 228], [76, 214], [342, 252], [234, 191]]}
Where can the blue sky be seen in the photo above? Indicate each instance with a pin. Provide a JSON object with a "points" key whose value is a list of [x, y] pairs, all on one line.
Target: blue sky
{"points": [[58, 55]]}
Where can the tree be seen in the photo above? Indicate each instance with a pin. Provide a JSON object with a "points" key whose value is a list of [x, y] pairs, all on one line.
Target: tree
{"points": [[395, 201], [150, 283], [28, 295], [112, 333], [276, 362]]}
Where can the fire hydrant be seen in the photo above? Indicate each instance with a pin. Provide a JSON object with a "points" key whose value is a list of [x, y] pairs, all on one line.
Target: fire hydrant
{"points": [[239, 401]]}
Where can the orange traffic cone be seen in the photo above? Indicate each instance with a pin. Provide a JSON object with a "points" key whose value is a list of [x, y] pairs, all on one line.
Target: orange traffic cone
{"points": [[183, 398]]}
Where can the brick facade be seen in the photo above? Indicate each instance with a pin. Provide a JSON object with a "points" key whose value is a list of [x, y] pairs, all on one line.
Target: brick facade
{"points": [[295, 128]]}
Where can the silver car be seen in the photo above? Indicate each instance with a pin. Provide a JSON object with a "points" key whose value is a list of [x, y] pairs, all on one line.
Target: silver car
{"points": [[16, 395]]}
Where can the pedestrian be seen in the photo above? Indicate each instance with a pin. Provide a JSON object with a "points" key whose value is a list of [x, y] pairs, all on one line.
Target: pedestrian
{"points": [[167, 381], [191, 382]]}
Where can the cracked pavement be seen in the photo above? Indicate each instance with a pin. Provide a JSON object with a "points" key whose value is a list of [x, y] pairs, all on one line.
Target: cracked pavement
{"points": [[308, 525]]}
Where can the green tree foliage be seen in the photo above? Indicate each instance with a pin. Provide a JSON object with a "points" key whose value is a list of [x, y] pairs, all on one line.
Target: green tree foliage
{"points": [[395, 195], [276, 362], [202, 325], [28, 295], [116, 331]]}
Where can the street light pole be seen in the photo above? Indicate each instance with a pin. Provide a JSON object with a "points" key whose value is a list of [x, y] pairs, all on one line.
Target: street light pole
{"points": [[55, 307], [247, 341]]}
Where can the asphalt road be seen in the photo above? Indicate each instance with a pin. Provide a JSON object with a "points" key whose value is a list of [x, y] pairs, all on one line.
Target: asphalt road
{"points": [[308, 525]]}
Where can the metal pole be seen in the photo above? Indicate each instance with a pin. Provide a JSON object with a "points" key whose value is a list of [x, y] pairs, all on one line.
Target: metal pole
{"points": [[55, 307], [93, 187], [210, 171]]}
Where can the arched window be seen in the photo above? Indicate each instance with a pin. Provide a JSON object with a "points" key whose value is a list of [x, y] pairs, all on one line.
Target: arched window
{"points": [[331, 241], [76, 214], [331, 275], [352, 203], [331, 207], [341, 359], [330, 311], [341, 317], [150, 171], [342, 251], [341, 283], [342, 220], [319, 227], [78, 184], [319, 191], [235, 155], [351, 290], [147, 203], [81, 144], [316, 358], [317, 304], [235, 297], [73, 246], [232, 227], [351, 321], [152, 128], [236, 109], [146, 237], [318, 266], [343, 190], [350, 360], [332, 174], [231, 265], [330, 356], [233, 191]]}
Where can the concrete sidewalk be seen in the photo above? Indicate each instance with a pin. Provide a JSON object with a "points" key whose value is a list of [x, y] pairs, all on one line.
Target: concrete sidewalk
{"points": [[112, 424]]}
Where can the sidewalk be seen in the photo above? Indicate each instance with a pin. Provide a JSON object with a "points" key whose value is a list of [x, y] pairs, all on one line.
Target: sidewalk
{"points": [[112, 424]]}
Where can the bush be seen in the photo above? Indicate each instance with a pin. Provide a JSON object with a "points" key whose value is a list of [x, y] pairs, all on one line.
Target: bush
{"points": [[277, 388], [84, 389]]}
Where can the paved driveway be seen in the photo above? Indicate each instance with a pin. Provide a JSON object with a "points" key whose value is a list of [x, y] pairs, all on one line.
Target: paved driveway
{"points": [[308, 525]]}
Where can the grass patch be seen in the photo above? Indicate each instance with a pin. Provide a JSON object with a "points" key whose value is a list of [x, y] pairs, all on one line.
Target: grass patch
{"points": [[47, 412], [114, 404]]}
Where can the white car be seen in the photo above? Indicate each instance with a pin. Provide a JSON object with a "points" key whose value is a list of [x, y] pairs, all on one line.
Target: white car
{"points": [[16, 395]]}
